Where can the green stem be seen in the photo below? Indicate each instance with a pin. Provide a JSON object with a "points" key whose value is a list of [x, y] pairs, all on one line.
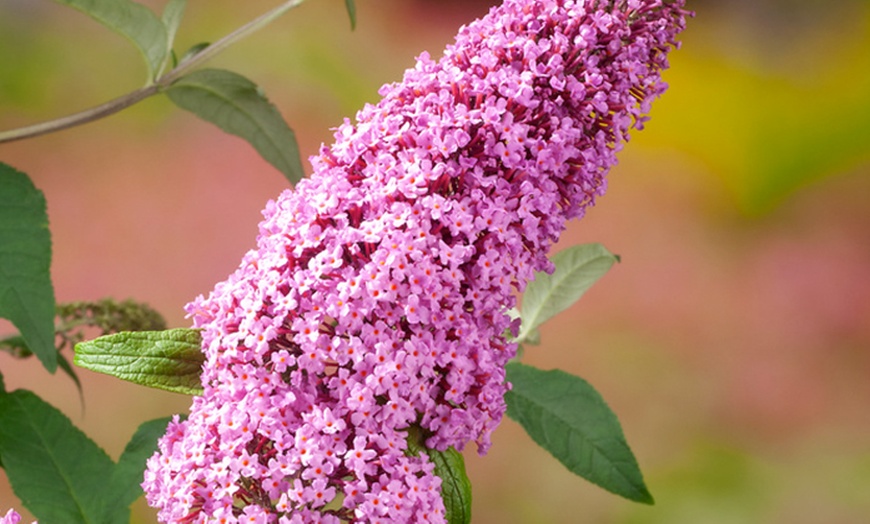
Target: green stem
{"points": [[122, 102], [82, 117]]}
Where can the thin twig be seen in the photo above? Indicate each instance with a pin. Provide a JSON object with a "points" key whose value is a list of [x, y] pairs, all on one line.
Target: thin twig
{"points": [[122, 102]]}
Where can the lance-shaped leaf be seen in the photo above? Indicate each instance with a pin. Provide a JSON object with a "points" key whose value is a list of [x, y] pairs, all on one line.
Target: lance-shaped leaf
{"points": [[577, 268], [171, 17], [351, 12], [450, 468], [170, 360], [173, 12], [194, 50], [134, 21], [56, 470], [26, 293], [68, 369], [238, 106], [566, 416], [455, 486], [127, 475]]}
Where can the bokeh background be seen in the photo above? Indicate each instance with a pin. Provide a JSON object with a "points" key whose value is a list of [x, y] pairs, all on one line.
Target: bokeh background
{"points": [[733, 340]]}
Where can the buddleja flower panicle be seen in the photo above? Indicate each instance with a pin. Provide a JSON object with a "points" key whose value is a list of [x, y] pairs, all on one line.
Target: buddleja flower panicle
{"points": [[376, 300]]}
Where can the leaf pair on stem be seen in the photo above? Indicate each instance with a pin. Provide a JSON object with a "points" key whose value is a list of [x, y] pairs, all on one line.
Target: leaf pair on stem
{"points": [[224, 98]]}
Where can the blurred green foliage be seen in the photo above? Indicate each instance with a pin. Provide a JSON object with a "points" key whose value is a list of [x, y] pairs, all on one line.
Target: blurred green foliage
{"points": [[770, 96], [766, 107], [713, 484], [716, 483], [25, 60]]}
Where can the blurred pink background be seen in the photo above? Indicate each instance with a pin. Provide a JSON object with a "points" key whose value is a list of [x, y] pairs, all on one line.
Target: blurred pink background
{"points": [[733, 341]]}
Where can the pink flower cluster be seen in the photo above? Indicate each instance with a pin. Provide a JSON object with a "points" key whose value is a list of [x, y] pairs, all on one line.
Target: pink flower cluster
{"points": [[376, 299]]}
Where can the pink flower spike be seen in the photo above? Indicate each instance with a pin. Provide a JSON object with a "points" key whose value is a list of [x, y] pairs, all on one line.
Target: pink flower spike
{"points": [[377, 296]]}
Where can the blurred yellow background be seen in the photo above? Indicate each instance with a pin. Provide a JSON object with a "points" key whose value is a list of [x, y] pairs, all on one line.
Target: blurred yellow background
{"points": [[733, 341]]}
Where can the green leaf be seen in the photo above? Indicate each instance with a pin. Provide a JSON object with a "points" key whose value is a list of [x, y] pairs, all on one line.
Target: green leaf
{"points": [[127, 476], [193, 51], [455, 486], [351, 12], [450, 468], [566, 416], [171, 18], [68, 369], [170, 360], [237, 105], [173, 12], [134, 21], [577, 268], [56, 470], [2, 385], [26, 293]]}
